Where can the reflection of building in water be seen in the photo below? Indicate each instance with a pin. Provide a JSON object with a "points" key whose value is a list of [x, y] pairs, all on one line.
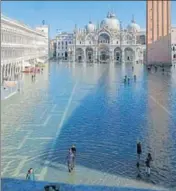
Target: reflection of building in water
{"points": [[20, 46], [159, 137], [105, 42]]}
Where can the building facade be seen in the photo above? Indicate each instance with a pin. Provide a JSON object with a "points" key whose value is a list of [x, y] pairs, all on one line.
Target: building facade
{"points": [[21, 46], [173, 44], [158, 32], [52, 48], [63, 40], [105, 42]]}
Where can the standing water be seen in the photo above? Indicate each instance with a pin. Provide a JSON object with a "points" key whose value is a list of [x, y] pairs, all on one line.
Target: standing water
{"points": [[91, 107]]}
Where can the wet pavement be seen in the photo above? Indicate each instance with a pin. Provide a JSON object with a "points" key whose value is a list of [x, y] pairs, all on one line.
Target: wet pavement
{"points": [[91, 107]]}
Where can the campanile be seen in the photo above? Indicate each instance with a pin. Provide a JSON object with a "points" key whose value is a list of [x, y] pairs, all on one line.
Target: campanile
{"points": [[158, 19]]}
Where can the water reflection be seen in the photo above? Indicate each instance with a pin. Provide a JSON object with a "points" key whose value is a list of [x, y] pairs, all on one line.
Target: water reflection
{"points": [[89, 105]]}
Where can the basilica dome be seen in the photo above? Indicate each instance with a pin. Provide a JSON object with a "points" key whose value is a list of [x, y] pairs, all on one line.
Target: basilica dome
{"points": [[133, 27], [90, 27], [111, 22]]}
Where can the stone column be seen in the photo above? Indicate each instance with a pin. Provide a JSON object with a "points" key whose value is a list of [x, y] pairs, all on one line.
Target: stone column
{"points": [[112, 55], [85, 55], [2, 72]]}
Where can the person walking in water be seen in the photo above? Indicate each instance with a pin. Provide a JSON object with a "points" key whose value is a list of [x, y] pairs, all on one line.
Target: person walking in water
{"points": [[139, 150], [30, 175], [70, 159], [138, 170], [147, 162], [134, 77], [128, 80], [73, 148]]}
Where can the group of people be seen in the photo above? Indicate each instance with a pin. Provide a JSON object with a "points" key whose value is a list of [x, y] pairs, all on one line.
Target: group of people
{"points": [[147, 161], [127, 79], [149, 68], [34, 74], [33, 77], [71, 157]]}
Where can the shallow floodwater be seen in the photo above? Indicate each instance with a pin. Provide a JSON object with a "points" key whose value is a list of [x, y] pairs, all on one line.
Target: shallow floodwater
{"points": [[91, 107]]}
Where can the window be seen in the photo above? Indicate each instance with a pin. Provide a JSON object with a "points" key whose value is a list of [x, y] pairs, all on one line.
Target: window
{"points": [[117, 42], [58, 43], [173, 48], [58, 54], [89, 42], [174, 56], [70, 42], [62, 54], [80, 42], [66, 43], [62, 42]]}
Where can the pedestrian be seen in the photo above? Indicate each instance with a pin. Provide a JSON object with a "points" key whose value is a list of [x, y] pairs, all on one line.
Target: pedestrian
{"points": [[147, 162], [30, 175], [138, 170], [134, 77], [70, 158], [139, 150], [128, 80], [73, 148]]}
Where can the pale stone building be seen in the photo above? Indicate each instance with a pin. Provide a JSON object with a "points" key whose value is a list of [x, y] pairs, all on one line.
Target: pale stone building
{"points": [[63, 40], [20, 46], [104, 42], [173, 44]]}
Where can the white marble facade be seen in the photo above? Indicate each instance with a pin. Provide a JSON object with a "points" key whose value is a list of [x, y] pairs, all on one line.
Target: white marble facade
{"points": [[105, 42], [20, 46]]}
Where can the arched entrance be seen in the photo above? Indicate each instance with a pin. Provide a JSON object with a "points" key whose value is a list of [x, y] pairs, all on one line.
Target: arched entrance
{"points": [[104, 54], [79, 55], [104, 38], [89, 54], [66, 55], [117, 55], [129, 55]]}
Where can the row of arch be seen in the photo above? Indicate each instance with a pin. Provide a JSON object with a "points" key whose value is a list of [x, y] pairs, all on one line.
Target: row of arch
{"points": [[104, 54], [10, 71], [106, 38]]}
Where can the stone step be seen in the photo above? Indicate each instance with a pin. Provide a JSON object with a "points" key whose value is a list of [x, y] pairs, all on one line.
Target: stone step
{"points": [[9, 184]]}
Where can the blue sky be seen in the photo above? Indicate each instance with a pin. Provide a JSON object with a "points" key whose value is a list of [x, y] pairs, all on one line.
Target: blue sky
{"points": [[65, 14]]}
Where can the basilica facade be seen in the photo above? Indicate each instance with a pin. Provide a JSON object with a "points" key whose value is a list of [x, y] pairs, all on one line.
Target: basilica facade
{"points": [[106, 42]]}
